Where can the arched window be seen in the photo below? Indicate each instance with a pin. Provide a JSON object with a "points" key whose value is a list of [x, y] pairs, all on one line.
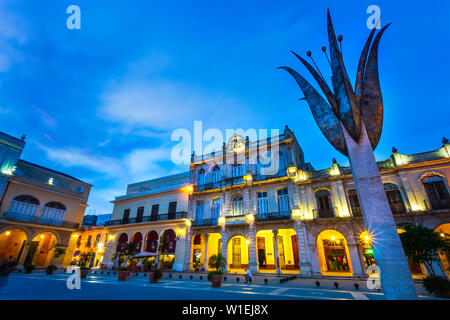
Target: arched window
{"points": [[55, 205], [152, 242], [238, 206], [27, 199], [137, 241], [170, 240], [437, 192], [395, 198], [122, 243], [324, 204], [216, 174]]}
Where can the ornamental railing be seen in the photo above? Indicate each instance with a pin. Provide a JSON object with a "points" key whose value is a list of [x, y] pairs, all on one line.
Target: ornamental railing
{"points": [[159, 217], [274, 216]]}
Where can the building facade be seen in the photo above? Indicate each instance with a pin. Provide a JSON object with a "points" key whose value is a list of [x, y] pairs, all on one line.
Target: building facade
{"points": [[149, 211], [299, 220], [41, 209]]}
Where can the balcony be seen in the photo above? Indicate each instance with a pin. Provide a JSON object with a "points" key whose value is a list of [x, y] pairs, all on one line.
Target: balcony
{"points": [[235, 219], [205, 222], [40, 220], [160, 217], [324, 213], [274, 216]]}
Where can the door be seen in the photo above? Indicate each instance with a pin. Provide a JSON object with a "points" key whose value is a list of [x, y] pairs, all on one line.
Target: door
{"points": [[172, 209], [126, 216], [31, 251], [295, 250], [236, 253], [261, 243], [140, 214]]}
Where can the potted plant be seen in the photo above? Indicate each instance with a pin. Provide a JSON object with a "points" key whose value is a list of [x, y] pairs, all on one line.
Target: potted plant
{"points": [[155, 275], [438, 285], [84, 260], [28, 268], [123, 273], [218, 262], [50, 269]]}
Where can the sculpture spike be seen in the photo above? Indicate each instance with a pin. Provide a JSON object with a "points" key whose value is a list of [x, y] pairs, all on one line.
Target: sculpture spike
{"points": [[324, 49], [322, 84], [362, 67], [349, 111], [372, 100], [325, 118]]}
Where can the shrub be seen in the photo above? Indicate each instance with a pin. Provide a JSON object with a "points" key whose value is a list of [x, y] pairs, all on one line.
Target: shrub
{"points": [[214, 273], [157, 274], [433, 283]]}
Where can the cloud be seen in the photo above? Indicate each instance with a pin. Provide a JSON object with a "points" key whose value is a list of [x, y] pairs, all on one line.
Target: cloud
{"points": [[165, 105], [45, 117]]}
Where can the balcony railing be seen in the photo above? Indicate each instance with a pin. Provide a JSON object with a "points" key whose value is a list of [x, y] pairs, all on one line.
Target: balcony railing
{"points": [[205, 222], [356, 211], [397, 208], [40, 220], [440, 204], [325, 213], [240, 218], [160, 217], [274, 216]]}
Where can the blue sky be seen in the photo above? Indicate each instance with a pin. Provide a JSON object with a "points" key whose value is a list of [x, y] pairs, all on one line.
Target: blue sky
{"points": [[101, 103]]}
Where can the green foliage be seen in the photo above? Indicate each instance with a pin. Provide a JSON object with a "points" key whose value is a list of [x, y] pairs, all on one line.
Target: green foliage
{"points": [[157, 274], [218, 262], [433, 283], [58, 252], [122, 269], [423, 245], [214, 273], [85, 258]]}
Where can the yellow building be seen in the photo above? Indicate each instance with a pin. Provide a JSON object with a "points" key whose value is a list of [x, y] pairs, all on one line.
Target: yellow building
{"points": [[40, 209]]}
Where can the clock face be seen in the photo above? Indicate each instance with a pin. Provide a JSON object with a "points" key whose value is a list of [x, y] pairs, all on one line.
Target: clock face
{"points": [[236, 144]]}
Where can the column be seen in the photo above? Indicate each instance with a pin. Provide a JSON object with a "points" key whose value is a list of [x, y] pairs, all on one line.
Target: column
{"points": [[205, 263], [355, 260], [24, 254], [275, 244], [303, 249], [253, 266], [224, 250], [187, 254]]}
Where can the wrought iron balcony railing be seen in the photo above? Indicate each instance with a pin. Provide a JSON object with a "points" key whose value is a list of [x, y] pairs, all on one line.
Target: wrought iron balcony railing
{"points": [[325, 213], [274, 216], [40, 220], [240, 218], [397, 208], [205, 222], [159, 217], [440, 204], [356, 211]]}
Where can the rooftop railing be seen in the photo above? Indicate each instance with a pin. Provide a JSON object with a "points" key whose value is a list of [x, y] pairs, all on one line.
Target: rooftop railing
{"points": [[159, 217]]}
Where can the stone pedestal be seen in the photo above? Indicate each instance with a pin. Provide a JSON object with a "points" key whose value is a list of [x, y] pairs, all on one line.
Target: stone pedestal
{"points": [[396, 279]]}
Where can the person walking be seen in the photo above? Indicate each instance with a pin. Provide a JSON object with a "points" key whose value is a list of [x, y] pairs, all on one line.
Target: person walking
{"points": [[248, 276]]}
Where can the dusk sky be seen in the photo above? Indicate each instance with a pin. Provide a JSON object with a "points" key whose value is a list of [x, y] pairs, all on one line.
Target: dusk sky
{"points": [[101, 103]]}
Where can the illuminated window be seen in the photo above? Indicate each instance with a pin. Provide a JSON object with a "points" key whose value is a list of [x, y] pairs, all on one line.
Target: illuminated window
{"points": [[238, 206]]}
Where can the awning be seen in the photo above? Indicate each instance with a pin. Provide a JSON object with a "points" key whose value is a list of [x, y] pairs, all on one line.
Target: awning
{"points": [[144, 254]]}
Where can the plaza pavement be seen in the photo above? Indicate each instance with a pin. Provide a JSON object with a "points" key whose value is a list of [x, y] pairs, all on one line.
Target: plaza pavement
{"points": [[39, 285]]}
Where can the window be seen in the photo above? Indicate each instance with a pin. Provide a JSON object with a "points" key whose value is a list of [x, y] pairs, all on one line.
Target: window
{"points": [[395, 198], [215, 209], [88, 243], [55, 205], [281, 163], [172, 209], [324, 204], [437, 192], [201, 177], [200, 209], [354, 202], [154, 214], [140, 214], [126, 216], [97, 239], [27, 199], [283, 200], [237, 171], [262, 203], [216, 174], [238, 206]]}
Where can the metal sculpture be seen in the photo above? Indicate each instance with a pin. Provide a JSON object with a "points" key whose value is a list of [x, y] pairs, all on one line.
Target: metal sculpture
{"points": [[352, 121]]}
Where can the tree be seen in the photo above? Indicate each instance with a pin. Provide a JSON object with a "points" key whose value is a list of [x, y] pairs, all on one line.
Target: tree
{"points": [[217, 261], [423, 245], [163, 242]]}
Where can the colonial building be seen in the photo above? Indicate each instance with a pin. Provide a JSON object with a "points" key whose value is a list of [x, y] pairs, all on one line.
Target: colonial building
{"points": [[40, 209], [299, 220], [149, 211]]}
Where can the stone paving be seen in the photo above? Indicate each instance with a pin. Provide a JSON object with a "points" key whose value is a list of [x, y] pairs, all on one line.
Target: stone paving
{"points": [[38, 285]]}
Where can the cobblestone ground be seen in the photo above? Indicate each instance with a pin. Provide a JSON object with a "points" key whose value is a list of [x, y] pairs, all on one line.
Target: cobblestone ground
{"points": [[38, 285]]}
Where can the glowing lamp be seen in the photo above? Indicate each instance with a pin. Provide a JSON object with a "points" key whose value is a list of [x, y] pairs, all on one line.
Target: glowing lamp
{"points": [[111, 237], [442, 235], [250, 218], [333, 238], [42, 236], [188, 223], [296, 214], [248, 178], [221, 221], [189, 188], [8, 233], [51, 181]]}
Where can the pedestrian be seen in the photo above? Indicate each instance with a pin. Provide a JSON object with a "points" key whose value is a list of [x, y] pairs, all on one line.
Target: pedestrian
{"points": [[248, 276]]}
